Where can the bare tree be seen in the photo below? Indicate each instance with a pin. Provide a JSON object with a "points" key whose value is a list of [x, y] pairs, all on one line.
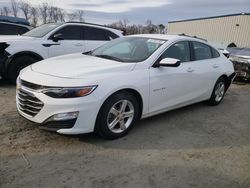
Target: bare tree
{"points": [[34, 16], [80, 14], [6, 11], [161, 28], [72, 16], [14, 7], [61, 15], [25, 7], [44, 12]]}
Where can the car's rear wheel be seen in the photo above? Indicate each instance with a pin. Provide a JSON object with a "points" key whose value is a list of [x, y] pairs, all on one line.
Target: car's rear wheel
{"points": [[117, 116], [218, 92], [17, 65]]}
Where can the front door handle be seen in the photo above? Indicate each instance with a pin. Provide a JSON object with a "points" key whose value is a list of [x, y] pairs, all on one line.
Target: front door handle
{"points": [[78, 44], [215, 66], [190, 69]]}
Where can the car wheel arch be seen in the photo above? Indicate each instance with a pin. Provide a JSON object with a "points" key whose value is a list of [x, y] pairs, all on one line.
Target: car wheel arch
{"points": [[226, 79], [134, 92], [24, 53]]}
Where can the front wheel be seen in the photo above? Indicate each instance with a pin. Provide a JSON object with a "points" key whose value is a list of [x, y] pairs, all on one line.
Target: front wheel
{"points": [[218, 92], [117, 116], [17, 65]]}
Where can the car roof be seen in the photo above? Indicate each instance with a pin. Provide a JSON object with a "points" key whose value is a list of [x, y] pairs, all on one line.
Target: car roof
{"points": [[170, 37], [95, 25]]}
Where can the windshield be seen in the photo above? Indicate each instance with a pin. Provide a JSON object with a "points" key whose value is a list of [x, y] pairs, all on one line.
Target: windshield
{"points": [[42, 30], [128, 49]]}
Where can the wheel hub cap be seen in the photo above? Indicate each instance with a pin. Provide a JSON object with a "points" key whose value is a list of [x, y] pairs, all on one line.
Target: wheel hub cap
{"points": [[219, 91], [120, 116]]}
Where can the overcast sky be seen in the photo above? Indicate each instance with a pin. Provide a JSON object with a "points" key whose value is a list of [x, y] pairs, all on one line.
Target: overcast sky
{"points": [[159, 11]]}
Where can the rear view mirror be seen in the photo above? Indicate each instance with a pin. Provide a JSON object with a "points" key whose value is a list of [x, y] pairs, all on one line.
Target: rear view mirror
{"points": [[57, 37], [170, 62]]}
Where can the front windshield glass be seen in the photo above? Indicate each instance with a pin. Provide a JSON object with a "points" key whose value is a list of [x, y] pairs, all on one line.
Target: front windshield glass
{"points": [[42, 30], [129, 49]]}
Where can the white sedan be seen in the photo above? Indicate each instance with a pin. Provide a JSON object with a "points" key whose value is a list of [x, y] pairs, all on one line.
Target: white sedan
{"points": [[107, 90]]}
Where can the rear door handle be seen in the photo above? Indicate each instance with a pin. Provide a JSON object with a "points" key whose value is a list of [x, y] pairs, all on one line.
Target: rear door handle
{"points": [[190, 69], [215, 66], [78, 44]]}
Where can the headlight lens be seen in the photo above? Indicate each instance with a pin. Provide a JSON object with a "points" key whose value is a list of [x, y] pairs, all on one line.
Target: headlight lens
{"points": [[69, 92]]}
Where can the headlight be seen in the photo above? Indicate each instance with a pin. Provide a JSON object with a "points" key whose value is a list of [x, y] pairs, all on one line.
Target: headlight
{"points": [[69, 92]]}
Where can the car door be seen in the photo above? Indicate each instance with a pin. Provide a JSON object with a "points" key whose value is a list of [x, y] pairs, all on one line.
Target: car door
{"points": [[207, 68], [72, 41], [95, 37], [171, 87]]}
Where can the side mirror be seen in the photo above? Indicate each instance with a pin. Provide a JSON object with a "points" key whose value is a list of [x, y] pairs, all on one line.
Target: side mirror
{"points": [[170, 62], [57, 37]]}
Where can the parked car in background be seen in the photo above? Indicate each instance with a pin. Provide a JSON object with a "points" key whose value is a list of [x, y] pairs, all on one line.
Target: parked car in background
{"points": [[133, 77], [241, 60], [50, 40], [13, 26]]}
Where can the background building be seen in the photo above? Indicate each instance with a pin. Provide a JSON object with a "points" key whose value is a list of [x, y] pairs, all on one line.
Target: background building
{"points": [[221, 31]]}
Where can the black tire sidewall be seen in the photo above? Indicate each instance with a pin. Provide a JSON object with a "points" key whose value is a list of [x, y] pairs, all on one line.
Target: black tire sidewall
{"points": [[101, 126], [14, 67], [212, 100]]}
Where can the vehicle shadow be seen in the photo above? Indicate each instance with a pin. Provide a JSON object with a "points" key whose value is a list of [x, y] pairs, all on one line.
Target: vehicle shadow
{"points": [[195, 126]]}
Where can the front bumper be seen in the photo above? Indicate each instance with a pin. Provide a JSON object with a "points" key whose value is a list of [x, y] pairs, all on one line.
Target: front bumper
{"points": [[86, 106]]}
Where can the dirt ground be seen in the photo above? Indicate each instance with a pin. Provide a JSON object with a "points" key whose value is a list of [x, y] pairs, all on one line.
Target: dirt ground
{"points": [[196, 146]]}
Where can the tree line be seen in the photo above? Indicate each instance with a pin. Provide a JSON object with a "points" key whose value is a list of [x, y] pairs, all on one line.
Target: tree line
{"points": [[45, 13]]}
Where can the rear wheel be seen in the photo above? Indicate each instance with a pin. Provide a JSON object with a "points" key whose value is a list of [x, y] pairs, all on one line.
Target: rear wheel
{"points": [[17, 65], [218, 92], [117, 116]]}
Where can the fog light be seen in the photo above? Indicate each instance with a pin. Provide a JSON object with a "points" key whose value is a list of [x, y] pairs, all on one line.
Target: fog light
{"points": [[63, 116]]}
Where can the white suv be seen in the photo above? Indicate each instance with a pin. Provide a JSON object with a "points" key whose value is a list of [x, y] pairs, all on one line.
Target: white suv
{"points": [[49, 40], [129, 78]]}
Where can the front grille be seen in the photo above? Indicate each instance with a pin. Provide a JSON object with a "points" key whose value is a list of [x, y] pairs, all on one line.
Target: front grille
{"points": [[28, 103]]}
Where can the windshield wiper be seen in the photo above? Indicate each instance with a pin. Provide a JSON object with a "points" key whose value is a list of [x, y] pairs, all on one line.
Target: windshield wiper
{"points": [[110, 57], [87, 53]]}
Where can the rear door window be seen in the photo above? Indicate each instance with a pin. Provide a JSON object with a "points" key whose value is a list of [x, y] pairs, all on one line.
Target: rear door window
{"points": [[215, 53], [202, 51], [70, 33], [97, 34]]}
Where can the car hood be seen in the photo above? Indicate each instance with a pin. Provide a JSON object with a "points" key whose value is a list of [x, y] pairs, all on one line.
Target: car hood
{"points": [[9, 38], [79, 66]]}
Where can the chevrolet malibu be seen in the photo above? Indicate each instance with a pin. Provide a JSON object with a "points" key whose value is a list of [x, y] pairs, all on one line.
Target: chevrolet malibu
{"points": [[108, 89]]}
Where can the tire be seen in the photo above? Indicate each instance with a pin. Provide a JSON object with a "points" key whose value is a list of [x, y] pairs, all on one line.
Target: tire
{"points": [[218, 93], [113, 124], [17, 64]]}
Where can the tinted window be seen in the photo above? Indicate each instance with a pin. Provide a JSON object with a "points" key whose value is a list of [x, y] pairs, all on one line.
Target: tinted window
{"points": [[70, 32], [179, 50], [7, 29], [202, 51], [215, 53], [91, 33]]}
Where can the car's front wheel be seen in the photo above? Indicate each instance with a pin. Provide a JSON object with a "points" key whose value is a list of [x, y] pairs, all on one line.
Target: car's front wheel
{"points": [[117, 115], [17, 65], [218, 92]]}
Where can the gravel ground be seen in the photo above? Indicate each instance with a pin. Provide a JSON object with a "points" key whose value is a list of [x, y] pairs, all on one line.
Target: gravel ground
{"points": [[196, 146]]}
